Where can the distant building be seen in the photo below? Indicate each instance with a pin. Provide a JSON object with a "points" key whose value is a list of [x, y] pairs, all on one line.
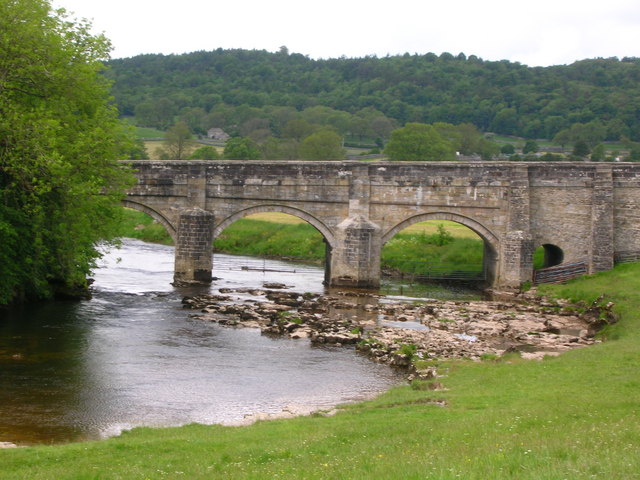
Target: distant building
{"points": [[217, 134]]}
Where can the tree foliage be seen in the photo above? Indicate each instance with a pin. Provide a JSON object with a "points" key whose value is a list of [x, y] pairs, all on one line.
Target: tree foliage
{"points": [[325, 144], [419, 142], [370, 96], [60, 183], [177, 142], [581, 149], [530, 146], [207, 152], [241, 149]]}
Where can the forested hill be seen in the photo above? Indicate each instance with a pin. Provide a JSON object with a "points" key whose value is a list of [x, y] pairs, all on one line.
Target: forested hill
{"points": [[225, 87]]}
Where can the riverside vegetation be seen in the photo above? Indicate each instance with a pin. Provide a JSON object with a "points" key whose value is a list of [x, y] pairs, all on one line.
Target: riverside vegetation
{"points": [[60, 139], [572, 416]]}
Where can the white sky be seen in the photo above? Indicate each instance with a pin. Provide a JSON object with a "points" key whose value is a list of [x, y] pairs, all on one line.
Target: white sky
{"points": [[535, 33]]}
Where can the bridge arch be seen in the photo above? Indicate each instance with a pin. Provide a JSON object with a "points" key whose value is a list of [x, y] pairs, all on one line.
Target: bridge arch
{"points": [[477, 227], [320, 226], [491, 241], [171, 230]]}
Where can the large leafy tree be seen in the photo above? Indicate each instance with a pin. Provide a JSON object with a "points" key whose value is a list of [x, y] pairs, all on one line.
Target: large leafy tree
{"points": [[241, 149], [419, 142], [325, 144], [60, 182]]}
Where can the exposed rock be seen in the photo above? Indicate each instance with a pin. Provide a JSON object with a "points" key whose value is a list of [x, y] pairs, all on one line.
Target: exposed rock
{"points": [[534, 327], [274, 285], [289, 411]]}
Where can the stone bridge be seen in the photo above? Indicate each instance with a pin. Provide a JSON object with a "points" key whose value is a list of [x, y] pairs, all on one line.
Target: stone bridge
{"points": [[580, 212]]}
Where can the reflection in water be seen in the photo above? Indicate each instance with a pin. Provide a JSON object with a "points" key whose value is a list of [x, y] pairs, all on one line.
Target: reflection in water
{"points": [[132, 356]]}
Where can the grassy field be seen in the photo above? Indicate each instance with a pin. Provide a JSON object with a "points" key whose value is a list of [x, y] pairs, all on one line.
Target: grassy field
{"points": [[575, 416], [430, 227], [141, 226], [146, 133], [268, 238], [151, 146]]}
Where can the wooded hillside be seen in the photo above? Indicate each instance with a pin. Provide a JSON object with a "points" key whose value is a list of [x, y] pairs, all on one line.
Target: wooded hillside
{"points": [[226, 88]]}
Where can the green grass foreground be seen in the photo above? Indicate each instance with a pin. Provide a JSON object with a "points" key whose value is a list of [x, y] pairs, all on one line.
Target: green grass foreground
{"points": [[575, 416]]}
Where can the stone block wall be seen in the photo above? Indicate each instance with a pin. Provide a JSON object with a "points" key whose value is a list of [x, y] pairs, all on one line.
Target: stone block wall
{"points": [[193, 252]]}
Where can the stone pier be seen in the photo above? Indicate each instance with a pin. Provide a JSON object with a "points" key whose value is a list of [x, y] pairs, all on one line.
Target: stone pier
{"points": [[193, 253]]}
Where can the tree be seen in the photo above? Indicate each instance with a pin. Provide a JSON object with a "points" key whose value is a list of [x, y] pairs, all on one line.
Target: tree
{"points": [[530, 146], [505, 97], [581, 149], [157, 114], [634, 153], [239, 148], [195, 118], [467, 139], [562, 138], [207, 152], [507, 149], [177, 142], [598, 153], [60, 138], [325, 144], [418, 142], [382, 127], [506, 121], [297, 129], [590, 133]]}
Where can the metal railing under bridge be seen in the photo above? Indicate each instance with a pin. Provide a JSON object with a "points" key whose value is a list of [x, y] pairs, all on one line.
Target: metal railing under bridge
{"points": [[425, 271], [567, 271]]}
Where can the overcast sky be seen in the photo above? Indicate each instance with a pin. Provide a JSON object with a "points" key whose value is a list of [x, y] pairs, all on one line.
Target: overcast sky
{"points": [[535, 33]]}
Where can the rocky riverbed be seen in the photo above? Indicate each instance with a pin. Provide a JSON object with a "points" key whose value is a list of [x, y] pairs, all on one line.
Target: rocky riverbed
{"points": [[400, 333]]}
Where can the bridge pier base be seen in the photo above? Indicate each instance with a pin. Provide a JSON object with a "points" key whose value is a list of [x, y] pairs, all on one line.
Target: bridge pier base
{"points": [[517, 263], [355, 262], [193, 252]]}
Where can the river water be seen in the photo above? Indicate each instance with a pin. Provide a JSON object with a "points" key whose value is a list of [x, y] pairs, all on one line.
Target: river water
{"points": [[132, 356]]}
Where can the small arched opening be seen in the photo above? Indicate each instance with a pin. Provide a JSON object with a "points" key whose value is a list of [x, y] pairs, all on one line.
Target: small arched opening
{"points": [[547, 255], [443, 246]]}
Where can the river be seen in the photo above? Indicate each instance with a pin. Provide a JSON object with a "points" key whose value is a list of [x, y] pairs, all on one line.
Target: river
{"points": [[132, 356]]}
